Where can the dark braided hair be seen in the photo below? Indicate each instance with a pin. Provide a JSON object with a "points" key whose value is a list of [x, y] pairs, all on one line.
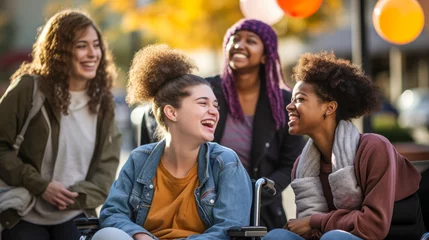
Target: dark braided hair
{"points": [[272, 69]]}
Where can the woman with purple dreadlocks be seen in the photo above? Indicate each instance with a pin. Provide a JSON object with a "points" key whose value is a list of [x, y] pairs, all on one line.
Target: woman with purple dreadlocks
{"points": [[252, 111]]}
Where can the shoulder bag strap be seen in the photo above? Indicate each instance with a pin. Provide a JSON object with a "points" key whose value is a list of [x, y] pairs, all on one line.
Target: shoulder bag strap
{"points": [[38, 99]]}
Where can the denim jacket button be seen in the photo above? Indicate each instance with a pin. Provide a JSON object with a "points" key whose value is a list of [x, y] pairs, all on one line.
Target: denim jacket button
{"points": [[211, 201], [147, 194], [151, 186]]}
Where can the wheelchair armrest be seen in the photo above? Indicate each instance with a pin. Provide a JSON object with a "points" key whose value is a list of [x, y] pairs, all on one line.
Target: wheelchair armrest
{"points": [[87, 223], [248, 231]]}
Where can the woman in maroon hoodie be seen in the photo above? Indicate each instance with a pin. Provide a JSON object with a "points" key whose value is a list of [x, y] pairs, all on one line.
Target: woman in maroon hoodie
{"points": [[345, 183]]}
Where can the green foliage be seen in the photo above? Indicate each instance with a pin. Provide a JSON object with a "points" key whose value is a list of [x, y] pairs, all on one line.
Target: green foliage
{"points": [[386, 125]]}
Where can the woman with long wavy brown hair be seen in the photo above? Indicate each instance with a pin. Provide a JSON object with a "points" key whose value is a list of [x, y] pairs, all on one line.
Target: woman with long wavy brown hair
{"points": [[70, 152]]}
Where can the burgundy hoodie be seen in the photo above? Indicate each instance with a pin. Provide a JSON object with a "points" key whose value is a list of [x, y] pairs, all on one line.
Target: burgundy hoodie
{"points": [[384, 176]]}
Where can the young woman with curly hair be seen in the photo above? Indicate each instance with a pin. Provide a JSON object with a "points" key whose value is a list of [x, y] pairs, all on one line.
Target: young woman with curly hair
{"points": [[252, 118], [70, 153], [346, 184], [183, 186]]}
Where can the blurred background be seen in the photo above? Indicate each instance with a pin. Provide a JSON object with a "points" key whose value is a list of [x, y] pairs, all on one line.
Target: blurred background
{"points": [[198, 26]]}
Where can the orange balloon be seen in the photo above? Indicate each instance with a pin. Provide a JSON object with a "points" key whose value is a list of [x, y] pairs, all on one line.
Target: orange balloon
{"points": [[398, 21], [299, 8]]}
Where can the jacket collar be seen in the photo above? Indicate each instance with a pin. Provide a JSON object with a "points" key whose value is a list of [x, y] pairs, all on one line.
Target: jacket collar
{"points": [[55, 112], [151, 164], [264, 127], [223, 107], [203, 163]]}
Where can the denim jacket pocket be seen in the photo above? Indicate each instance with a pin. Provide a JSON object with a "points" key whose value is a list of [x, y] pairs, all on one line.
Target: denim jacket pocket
{"points": [[209, 197], [208, 200]]}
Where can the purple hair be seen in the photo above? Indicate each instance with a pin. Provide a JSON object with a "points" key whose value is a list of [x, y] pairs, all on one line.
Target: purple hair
{"points": [[273, 72]]}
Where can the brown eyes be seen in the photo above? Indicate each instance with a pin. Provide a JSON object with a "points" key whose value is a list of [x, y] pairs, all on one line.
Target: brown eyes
{"points": [[205, 104], [248, 41], [298, 100], [80, 46]]}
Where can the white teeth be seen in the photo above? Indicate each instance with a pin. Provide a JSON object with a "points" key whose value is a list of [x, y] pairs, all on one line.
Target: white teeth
{"points": [[239, 55], [89, 64], [291, 118], [208, 122]]}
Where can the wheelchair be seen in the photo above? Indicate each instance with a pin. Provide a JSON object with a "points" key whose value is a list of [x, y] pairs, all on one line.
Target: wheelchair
{"points": [[89, 226]]}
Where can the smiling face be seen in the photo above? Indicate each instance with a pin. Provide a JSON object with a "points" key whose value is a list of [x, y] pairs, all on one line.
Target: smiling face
{"points": [[198, 115], [86, 55], [245, 51], [306, 110]]}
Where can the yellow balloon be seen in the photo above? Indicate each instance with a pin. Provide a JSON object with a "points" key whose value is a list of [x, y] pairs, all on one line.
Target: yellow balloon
{"points": [[398, 21]]}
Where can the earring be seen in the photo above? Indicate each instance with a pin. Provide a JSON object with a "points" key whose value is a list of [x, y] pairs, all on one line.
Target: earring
{"points": [[324, 116], [174, 119]]}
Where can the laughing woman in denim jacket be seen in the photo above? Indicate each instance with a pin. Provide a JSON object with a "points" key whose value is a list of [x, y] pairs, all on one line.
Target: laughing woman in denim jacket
{"points": [[182, 186]]}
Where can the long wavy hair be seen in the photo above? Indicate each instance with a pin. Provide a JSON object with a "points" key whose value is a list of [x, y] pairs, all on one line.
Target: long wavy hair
{"points": [[271, 69], [52, 61]]}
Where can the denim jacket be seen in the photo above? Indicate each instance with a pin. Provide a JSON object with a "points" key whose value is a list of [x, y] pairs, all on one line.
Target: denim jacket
{"points": [[224, 197]]}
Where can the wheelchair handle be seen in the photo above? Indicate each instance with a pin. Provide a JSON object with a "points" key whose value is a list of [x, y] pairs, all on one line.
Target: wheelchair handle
{"points": [[269, 186], [261, 183]]}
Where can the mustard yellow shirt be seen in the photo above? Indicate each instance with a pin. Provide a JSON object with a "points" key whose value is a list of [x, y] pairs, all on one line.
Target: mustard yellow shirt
{"points": [[174, 213]]}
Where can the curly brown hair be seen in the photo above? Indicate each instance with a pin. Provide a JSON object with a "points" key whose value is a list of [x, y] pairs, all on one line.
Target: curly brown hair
{"points": [[52, 61], [336, 79], [161, 75]]}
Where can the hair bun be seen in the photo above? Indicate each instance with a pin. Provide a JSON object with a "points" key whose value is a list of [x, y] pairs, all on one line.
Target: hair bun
{"points": [[151, 67]]}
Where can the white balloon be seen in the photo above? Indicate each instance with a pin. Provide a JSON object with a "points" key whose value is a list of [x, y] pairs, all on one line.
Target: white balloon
{"points": [[267, 11]]}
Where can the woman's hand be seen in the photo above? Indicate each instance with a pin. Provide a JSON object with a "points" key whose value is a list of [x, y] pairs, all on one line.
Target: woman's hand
{"points": [[299, 226], [142, 236], [58, 195]]}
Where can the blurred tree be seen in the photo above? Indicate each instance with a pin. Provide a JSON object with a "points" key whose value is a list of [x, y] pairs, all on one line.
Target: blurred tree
{"points": [[187, 24], [202, 23], [114, 34], [6, 39], [6, 32], [180, 23]]}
